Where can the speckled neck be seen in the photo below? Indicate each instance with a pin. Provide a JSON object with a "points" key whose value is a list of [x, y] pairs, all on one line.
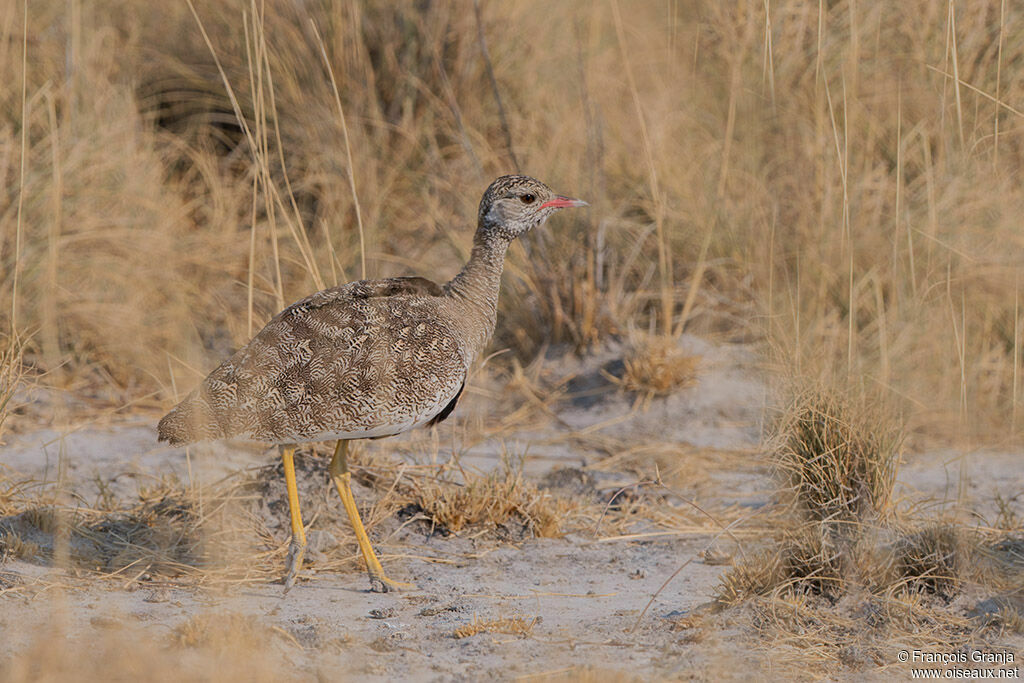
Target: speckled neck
{"points": [[476, 287]]}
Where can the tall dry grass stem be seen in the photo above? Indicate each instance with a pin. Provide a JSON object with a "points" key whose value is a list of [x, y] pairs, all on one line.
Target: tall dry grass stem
{"points": [[351, 171], [22, 159]]}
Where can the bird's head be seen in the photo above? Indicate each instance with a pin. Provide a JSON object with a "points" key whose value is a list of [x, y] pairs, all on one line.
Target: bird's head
{"points": [[515, 204]]}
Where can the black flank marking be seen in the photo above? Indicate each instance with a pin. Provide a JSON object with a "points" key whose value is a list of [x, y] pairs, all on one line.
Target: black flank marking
{"points": [[447, 409]]}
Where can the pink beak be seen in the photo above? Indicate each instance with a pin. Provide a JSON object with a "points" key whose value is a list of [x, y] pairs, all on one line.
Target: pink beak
{"points": [[560, 202]]}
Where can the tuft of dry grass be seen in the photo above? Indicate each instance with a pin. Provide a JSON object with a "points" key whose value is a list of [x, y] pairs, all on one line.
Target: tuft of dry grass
{"points": [[806, 560], [515, 625], [223, 633], [838, 455], [850, 578], [749, 579], [815, 596], [933, 559], [12, 545], [1008, 620], [838, 459], [811, 560], [656, 366], [11, 374], [498, 500], [805, 637], [1006, 554]]}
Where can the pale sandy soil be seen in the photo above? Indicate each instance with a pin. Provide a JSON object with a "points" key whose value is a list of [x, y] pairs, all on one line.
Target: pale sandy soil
{"points": [[585, 591]]}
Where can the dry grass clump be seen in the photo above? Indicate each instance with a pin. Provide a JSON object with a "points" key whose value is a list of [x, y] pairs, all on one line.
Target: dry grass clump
{"points": [[846, 602], [838, 455], [815, 560], [844, 586], [745, 580], [932, 559], [804, 614], [516, 626], [801, 635], [13, 545], [656, 366], [224, 632], [804, 561], [1007, 620], [19, 501], [1008, 550], [14, 494], [163, 531], [497, 501]]}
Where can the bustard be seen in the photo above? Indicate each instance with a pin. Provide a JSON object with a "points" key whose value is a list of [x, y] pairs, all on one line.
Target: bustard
{"points": [[367, 359]]}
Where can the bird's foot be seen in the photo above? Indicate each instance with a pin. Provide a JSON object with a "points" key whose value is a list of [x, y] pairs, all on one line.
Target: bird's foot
{"points": [[382, 584], [295, 552]]}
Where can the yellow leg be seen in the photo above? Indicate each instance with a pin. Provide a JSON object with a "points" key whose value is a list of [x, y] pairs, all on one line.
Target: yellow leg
{"points": [[342, 478], [297, 548]]}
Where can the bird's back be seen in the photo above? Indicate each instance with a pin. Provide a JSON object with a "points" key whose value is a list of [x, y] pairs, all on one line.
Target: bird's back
{"points": [[370, 358]]}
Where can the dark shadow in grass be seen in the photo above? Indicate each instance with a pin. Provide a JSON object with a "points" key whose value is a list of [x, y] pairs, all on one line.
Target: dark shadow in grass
{"points": [[159, 535], [591, 388]]}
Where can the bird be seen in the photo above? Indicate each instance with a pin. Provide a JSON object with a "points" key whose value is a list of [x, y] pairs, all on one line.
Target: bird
{"points": [[364, 360]]}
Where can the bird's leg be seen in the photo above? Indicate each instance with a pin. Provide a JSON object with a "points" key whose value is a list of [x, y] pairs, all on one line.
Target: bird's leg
{"points": [[298, 545], [342, 478]]}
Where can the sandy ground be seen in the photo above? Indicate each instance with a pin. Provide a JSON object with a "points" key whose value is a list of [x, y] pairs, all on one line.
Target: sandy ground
{"points": [[583, 593]]}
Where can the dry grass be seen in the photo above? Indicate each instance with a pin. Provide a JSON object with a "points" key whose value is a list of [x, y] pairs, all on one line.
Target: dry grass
{"points": [[804, 561], [515, 626], [11, 375], [1008, 620], [845, 606], [656, 366], [806, 638], [838, 455], [235, 531], [14, 546], [224, 533], [580, 674], [815, 167], [934, 559], [223, 632], [501, 500], [848, 577], [204, 649], [837, 179], [171, 531]]}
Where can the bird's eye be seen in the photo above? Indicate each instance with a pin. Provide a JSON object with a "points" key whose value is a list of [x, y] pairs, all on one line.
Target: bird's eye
{"points": [[527, 198]]}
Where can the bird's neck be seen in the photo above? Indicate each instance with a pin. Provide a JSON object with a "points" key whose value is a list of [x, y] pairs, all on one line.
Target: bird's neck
{"points": [[476, 287]]}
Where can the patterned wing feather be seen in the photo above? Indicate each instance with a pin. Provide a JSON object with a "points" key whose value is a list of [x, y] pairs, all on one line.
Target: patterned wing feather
{"points": [[371, 358]]}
